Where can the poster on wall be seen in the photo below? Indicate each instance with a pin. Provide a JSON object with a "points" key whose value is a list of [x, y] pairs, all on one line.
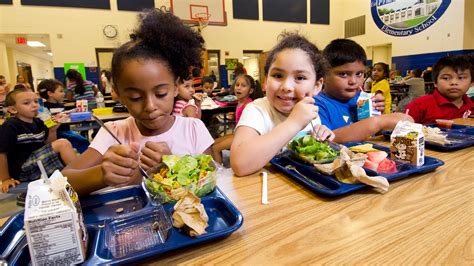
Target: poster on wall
{"points": [[76, 66], [231, 63], [402, 18]]}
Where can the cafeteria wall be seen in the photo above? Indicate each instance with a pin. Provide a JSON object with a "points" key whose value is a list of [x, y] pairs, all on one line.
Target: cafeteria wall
{"points": [[76, 32], [451, 34]]}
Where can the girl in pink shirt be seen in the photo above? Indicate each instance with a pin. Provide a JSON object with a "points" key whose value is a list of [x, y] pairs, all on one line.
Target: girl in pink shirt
{"points": [[145, 71], [182, 106], [246, 90]]}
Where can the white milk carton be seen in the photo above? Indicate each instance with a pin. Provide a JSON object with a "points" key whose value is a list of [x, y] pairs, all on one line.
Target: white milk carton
{"points": [[408, 143], [53, 222], [365, 108]]}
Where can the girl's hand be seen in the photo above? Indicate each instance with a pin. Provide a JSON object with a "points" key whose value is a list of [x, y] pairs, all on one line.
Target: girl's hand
{"points": [[152, 154], [379, 102], [321, 133], [198, 98], [303, 112], [120, 165], [6, 184]]}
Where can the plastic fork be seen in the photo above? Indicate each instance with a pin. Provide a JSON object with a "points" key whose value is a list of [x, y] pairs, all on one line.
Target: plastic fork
{"points": [[292, 168]]}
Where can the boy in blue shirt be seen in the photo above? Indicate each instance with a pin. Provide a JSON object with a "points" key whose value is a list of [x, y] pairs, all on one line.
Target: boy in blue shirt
{"points": [[342, 85]]}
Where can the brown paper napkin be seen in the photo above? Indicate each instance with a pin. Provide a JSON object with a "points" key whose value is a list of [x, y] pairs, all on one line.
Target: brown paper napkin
{"points": [[190, 215]]}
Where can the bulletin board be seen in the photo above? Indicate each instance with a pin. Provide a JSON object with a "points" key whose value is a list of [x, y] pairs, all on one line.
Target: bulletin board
{"points": [[231, 63], [99, 4], [135, 5], [77, 66], [285, 11]]}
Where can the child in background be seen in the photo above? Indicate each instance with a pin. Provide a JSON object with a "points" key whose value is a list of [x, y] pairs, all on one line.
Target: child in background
{"points": [[246, 90], [416, 89], [338, 101], [25, 139], [294, 70], [185, 94], [452, 76], [381, 86], [207, 86], [53, 92], [145, 71]]}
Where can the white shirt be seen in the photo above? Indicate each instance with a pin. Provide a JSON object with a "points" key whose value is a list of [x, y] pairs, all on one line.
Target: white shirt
{"points": [[262, 117]]}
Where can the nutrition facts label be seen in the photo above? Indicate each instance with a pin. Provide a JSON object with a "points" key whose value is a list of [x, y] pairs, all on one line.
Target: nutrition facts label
{"points": [[54, 239]]}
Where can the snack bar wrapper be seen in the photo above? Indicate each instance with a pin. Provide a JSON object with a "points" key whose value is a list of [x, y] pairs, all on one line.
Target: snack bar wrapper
{"points": [[190, 214], [365, 108], [408, 143], [54, 223]]}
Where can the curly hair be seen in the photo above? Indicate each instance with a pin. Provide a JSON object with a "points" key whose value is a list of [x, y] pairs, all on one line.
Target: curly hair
{"points": [[342, 51], [48, 85], [161, 36], [293, 40], [75, 76]]}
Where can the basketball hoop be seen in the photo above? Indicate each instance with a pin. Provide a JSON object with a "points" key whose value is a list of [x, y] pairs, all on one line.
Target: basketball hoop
{"points": [[202, 19]]}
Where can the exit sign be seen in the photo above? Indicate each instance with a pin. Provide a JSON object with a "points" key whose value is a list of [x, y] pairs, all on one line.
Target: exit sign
{"points": [[20, 40]]}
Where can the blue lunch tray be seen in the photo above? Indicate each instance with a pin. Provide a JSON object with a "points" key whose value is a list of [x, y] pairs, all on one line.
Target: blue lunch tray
{"points": [[329, 186], [224, 219], [462, 137]]}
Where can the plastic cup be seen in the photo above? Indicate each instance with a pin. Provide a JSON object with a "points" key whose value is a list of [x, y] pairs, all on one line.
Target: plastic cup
{"points": [[443, 123]]}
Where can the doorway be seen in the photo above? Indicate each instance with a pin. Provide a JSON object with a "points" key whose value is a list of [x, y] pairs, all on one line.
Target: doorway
{"points": [[252, 63], [24, 70], [381, 53], [211, 66]]}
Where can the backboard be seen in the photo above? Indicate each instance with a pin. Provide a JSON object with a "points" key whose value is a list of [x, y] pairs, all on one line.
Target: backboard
{"points": [[187, 10]]}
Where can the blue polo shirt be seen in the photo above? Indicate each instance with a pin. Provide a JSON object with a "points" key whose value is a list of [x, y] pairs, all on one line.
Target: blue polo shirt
{"points": [[335, 113]]}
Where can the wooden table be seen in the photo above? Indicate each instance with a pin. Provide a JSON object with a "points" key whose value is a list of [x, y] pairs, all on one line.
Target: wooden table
{"points": [[422, 219]]}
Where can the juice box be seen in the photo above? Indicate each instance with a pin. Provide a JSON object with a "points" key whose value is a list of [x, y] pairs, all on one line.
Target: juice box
{"points": [[365, 108], [54, 223], [408, 143]]}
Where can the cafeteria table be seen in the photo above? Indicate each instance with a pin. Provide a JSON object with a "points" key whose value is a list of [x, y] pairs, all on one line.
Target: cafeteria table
{"points": [[422, 219]]}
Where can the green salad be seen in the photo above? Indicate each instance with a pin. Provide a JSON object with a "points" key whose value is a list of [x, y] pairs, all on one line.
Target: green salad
{"points": [[195, 173], [311, 150]]}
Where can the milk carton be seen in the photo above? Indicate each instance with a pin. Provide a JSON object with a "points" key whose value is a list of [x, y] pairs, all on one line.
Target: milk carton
{"points": [[408, 143], [365, 108], [82, 106], [53, 222]]}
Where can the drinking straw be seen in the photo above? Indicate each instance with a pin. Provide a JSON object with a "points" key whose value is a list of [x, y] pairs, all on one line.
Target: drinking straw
{"points": [[264, 188], [43, 172], [405, 118]]}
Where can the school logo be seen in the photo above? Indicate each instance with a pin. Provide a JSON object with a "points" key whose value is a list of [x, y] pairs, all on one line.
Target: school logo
{"points": [[406, 17]]}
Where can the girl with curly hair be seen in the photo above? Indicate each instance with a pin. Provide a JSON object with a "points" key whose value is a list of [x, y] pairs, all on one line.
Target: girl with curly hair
{"points": [[145, 75]]}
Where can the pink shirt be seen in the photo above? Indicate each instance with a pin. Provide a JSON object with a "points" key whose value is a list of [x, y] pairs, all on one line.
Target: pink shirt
{"points": [[186, 136], [180, 105], [240, 109]]}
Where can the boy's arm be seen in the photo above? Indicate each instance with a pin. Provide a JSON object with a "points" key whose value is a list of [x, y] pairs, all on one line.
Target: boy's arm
{"points": [[4, 174], [52, 134], [6, 180], [365, 128]]}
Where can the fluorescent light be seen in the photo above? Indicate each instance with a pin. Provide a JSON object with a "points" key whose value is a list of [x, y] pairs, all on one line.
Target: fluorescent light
{"points": [[245, 57], [51, 54], [35, 44]]}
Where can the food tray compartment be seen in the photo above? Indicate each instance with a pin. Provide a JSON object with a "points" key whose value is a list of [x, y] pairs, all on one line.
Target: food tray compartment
{"points": [[99, 207], [333, 187], [224, 219], [11, 231], [462, 137]]}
